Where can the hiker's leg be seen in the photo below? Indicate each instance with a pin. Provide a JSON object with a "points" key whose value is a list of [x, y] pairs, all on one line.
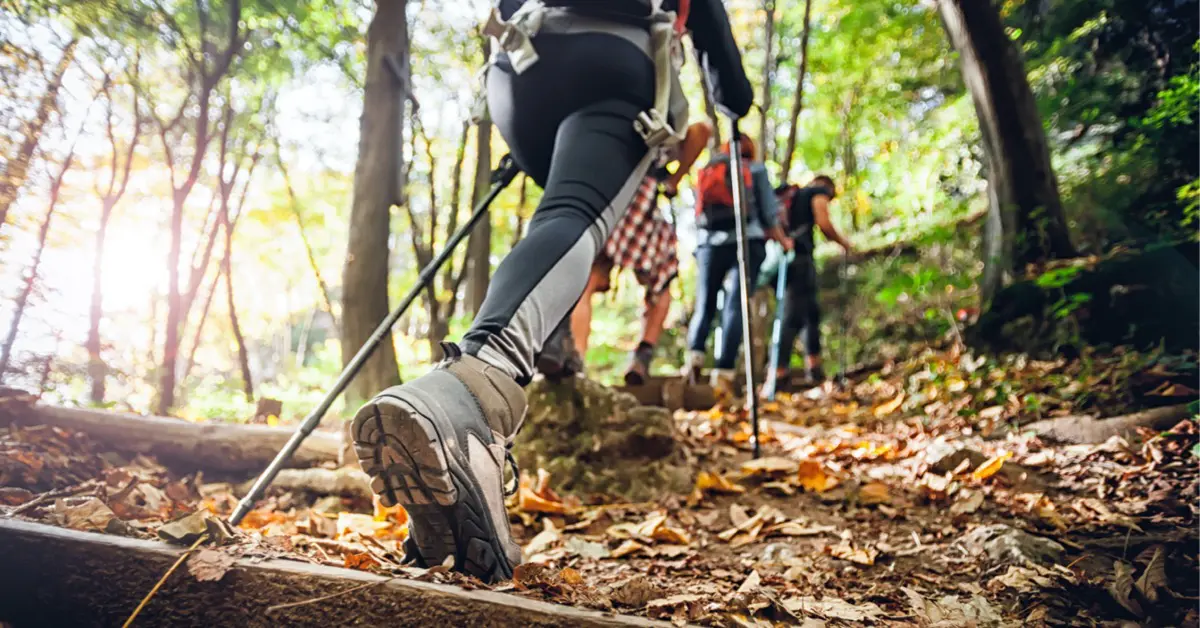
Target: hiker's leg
{"points": [[438, 444], [793, 318], [731, 313], [708, 283], [581, 317], [810, 332], [654, 317]]}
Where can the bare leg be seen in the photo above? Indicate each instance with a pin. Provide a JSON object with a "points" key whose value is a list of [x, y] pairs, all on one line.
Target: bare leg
{"points": [[581, 317], [654, 318]]}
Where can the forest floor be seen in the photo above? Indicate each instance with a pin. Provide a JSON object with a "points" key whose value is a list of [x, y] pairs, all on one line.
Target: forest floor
{"points": [[915, 495]]}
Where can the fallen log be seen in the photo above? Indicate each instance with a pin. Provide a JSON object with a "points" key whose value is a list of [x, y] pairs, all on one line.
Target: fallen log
{"points": [[218, 447], [344, 482], [70, 578], [1085, 429]]}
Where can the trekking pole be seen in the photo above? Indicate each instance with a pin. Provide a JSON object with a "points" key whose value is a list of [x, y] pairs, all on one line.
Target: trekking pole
{"points": [[844, 279], [739, 213], [777, 326], [504, 173]]}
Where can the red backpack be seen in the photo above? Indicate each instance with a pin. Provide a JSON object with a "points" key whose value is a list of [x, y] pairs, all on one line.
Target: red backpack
{"points": [[714, 193]]}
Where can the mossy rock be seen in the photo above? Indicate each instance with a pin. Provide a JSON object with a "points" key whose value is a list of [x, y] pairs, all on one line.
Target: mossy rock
{"points": [[596, 441]]}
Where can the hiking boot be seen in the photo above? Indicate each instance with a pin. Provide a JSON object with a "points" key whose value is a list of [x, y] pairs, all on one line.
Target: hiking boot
{"points": [[559, 359], [815, 375], [437, 446], [639, 365]]}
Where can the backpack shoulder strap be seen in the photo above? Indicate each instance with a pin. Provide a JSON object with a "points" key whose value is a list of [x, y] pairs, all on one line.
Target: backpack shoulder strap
{"points": [[681, 16]]}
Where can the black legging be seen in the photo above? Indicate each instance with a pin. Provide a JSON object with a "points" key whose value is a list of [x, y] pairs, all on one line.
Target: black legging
{"points": [[568, 121], [801, 310]]}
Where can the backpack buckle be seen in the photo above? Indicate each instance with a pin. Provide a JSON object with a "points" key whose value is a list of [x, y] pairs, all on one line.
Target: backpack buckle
{"points": [[653, 128], [514, 36]]}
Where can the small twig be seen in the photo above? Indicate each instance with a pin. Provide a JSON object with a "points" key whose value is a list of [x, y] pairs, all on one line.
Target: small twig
{"points": [[278, 607], [58, 492], [158, 585]]}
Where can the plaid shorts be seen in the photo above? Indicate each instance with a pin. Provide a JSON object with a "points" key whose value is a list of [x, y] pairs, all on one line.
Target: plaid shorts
{"points": [[644, 242]]}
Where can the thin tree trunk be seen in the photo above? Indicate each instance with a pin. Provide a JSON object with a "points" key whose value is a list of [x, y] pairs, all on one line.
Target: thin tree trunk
{"points": [[522, 208], [294, 204], [766, 145], [22, 298], [191, 359], [119, 169], [1019, 166], [364, 277], [243, 355], [849, 158], [12, 178], [479, 247], [789, 149]]}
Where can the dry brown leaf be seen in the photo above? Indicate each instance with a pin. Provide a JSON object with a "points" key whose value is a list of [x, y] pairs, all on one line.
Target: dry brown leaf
{"points": [[787, 490], [834, 608], [1121, 589], [1154, 578], [628, 548], [859, 555], [570, 576], [209, 565], [751, 583], [361, 561], [874, 493], [364, 525], [92, 515], [674, 536], [990, 466], [1046, 511], [885, 409], [812, 477], [771, 465], [969, 505], [797, 528], [738, 514], [635, 592], [543, 540], [935, 487]]}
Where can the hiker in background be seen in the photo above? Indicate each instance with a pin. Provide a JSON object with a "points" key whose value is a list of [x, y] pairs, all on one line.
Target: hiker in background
{"points": [[643, 242], [802, 208], [716, 255]]}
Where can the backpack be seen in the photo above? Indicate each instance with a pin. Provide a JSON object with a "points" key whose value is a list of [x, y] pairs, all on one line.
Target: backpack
{"points": [[714, 193]]}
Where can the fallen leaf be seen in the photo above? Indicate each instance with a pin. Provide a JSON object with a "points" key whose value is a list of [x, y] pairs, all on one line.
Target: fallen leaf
{"points": [[1046, 511], [635, 592], [362, 524], [812, 477], [184, 530], [751, 583], [834, 608], [1121, 589], [1022, 579], [628, 548], [674, 600], [210, 565], [935, 487], [92, 515], [716, 483], [1154, 578], [771, 465], [874, 493], [796, 528], [990, 466], [859, 555], [530, 501], [544, 539], [586, 549], [362, 561], [738, 514], [969, 505], [782, 487], [570, 576], [885, 409]]}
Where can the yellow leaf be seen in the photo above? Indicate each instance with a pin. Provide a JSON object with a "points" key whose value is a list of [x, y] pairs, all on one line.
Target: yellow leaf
{"points": [[874, 493], [530, 501], [674, 536], [889, 407], [812, 476], [570, 576], [272, 420], [991, 466], [628, 548], [770, 465], [716, 483]]}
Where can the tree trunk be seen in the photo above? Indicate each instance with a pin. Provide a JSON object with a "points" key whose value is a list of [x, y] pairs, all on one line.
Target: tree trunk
{"points": [[196, 335], [22, 298], [765, 143], [294, 204], [227, 267], [12, 178], [849, 158], [1019, 167], [365, 275], [97, 370], [798, 100], [479, 246]]}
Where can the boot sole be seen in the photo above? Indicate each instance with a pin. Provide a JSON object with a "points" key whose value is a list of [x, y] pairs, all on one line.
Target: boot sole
{"points": [[409, 464]]}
